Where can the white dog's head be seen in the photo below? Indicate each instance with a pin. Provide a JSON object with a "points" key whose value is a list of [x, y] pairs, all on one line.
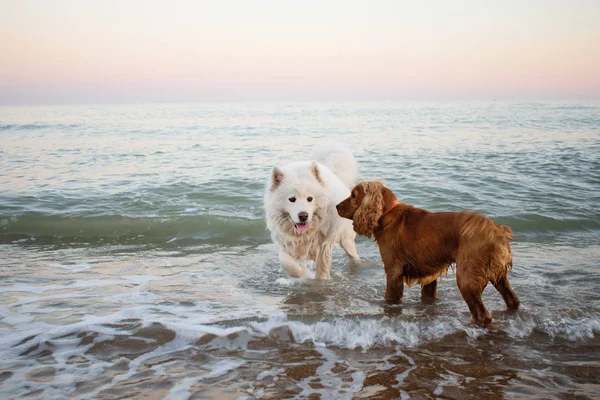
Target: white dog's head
{"points": [[298, 199]]}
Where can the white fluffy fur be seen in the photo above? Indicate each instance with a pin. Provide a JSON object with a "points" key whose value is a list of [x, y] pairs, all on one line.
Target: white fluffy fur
{"points": [[327, 181]]}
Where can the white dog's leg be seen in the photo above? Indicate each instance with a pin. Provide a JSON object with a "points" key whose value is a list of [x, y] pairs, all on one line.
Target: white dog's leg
{"points": [[349, 246], [324, 262], [290, 265]]}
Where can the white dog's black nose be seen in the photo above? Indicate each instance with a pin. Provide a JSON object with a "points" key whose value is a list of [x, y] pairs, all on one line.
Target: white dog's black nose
{"points": [[303, 216]]}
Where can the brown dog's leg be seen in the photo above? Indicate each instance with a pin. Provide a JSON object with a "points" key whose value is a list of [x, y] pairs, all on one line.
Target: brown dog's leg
{"points": [[471, 291], [429, 291], [510, 297], [395, 287], [478, 311]]}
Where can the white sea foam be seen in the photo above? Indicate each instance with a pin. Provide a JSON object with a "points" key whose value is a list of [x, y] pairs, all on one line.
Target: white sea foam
{"points": [[287, 281], [364, 333], [333, 385], [401, 377], [136, 295], [181, 390], [273, 373], [449, 379], [74, 267], [223, 367], [572, 329], [23, 301], [383, 331], [81, 284], [309, 274]]}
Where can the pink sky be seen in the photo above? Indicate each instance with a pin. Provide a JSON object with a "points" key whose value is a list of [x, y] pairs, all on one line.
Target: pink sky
{"points": [[138, 51]]}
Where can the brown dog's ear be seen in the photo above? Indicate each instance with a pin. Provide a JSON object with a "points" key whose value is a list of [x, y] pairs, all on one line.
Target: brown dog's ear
{"points": [[366, 218], [389, 199], [276, 178]]}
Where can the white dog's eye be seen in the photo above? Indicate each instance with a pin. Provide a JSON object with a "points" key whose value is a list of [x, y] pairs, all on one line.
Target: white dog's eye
{"points": [[309, 199], [292, 199]]}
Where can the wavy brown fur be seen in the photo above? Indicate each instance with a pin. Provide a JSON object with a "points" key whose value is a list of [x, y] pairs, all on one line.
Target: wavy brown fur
{"points": [[417, 246], [366, 218]]}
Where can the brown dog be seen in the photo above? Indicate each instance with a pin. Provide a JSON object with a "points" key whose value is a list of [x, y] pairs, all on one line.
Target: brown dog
{"points": [[417, 246]]}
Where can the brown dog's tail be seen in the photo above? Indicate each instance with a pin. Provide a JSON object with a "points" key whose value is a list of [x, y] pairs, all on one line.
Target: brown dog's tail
{"points": [[483, 236], [507, 231], [501, 258]]}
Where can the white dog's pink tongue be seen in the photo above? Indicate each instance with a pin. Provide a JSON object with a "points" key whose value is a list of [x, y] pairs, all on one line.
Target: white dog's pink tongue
{"points": [[301, 227]]}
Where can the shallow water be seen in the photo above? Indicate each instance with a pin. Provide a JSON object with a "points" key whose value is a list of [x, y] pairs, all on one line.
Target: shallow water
{"points": [[135, 261]]}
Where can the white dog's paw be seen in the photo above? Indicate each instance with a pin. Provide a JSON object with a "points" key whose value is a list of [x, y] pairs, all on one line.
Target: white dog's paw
{"points": [[293, 270], [355, 260]]}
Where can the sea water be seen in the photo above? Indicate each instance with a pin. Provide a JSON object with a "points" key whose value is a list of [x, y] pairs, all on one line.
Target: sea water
{"points": [[135, 260]]}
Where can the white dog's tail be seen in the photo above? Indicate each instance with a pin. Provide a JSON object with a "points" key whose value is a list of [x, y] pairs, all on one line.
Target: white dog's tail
{"points": [[339, 159]]}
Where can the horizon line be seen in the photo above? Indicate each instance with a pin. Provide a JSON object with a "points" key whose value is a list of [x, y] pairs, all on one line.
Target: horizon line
{"points": [[448, 99]]}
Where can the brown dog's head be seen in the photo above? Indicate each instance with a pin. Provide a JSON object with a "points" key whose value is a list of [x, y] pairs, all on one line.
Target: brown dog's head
{"points": [[366, 205]]}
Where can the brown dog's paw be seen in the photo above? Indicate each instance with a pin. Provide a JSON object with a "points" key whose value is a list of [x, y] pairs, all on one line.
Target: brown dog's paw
{"points": [[483, 322]]}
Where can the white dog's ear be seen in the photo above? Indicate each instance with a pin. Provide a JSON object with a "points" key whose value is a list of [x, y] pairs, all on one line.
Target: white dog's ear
{"points": [[276, 178], [314, 168]]}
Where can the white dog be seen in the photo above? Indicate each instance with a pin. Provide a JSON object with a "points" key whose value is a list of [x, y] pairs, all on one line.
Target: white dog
{"points": [[300, 200]]}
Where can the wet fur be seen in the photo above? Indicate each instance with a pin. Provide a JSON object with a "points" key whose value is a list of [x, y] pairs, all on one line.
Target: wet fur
{"points": [[327, 181], [417, 246]]}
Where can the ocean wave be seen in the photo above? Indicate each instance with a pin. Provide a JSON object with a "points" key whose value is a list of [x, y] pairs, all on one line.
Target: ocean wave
{"points": [[383, 332], [573, 107], [347, 333], [142, 337], [214, 229], [120, 229], [357, 333], [533, 222], [32, 127]]}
